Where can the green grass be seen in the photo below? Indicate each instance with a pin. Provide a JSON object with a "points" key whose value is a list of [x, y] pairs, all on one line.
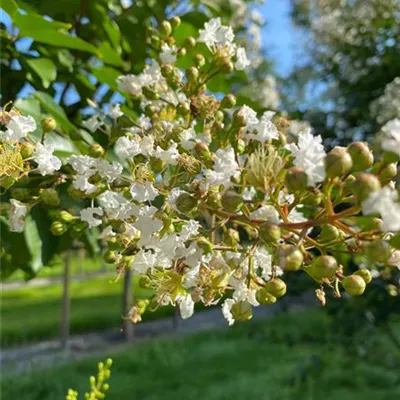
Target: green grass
{"points": [[288, 357], [33, 313]]}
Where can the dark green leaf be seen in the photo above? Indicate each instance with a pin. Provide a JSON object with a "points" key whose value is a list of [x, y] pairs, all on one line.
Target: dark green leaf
{"points": [[10, 7], [45, 68]]}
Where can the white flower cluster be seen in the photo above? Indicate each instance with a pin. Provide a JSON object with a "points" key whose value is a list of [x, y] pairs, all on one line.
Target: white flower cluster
{"points": [[387, 106]]}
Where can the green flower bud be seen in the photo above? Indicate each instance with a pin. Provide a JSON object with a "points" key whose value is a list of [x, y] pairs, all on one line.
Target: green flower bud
{"points": [[96, 151], [361, 155], [182, 52], [388, 173], [276, 287], [155, 42], [264, 297], [190, 42], [192, 74], [364, 185], [144, 282], [202, 151], [65, 216], [241, 146], [313, 199], [58, 228], [219, 116], [296, 179], [338, 162], [269, 233], [232, 201], [175, 22], [329, 233], [323, 267], [199, 60], [185, 203], [20, 194], [150, 94], [227, 67], [48, 124], [289, 257], [205, 244], [379, 251], [239, 120], [142, 305], [214, 198], [50, 197], [79, 227], [354, 285], [150, 110], [165, 28], [242, 311], [183, 108], [229, 101], [110, 257], [365, 274], [348, 185], [27, 150]]}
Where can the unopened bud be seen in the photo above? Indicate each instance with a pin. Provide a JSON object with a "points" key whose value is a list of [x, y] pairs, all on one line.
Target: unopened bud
{"points": [[183, 108], [214, 198], [165, 28], [242, 311], [185, 203], [239, 119], [338, 162], [361, 155], [329, 233], [227, 67], [182, 52], [229, 101], [269, 233], [323, 267], [354, 285], [190, 42], [27, 149], [110, 257], [50, 197], [96, 151], [289, 257], [232, 201], [58, 228], [202, 151], [155, 42], [264, 297], [379, 251], [150, 94], [192, 74], [65, 216], [276, 287], [296, 179], [48, 124], [365, 274], [175, 22], [388, 173], [241, 146], [364, 185]]}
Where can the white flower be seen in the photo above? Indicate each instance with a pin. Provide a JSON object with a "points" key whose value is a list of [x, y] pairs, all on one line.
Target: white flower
{"points": [[147, 224], [115, 111], [266, 213], [147, 146], [263, 261], [391, 136], [265, 129], [384, 202], [107, 170], [17, 215], [173, 195], [93, 123], [47, 163], [83, 165], [249, 193], [89, 215], [186, 306], [18, 127], [127, 148], [242, 62], [143, 261], [226, 310], [168, 54], [169, 156], [215, 34], [249, 114], [130, 84], [309, 154], [117, 206], [82, 183], [143, 191], [191, 228]]}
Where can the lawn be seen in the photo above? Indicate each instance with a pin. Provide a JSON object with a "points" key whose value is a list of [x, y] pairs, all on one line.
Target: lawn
{"points": [[295, 356], [33, 313]]}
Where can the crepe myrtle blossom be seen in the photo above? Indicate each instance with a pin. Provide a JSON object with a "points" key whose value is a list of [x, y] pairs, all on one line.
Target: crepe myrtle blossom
{"points": [[18, 127], [211, 203]]}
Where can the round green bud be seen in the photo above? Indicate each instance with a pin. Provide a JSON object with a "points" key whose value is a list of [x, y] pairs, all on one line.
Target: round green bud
{"points": [[27, 149], [219, 116], [227, 67], [58, 228], [150, 94], [296, 179], [48, 124], [239, 120], [379, 251], [192, 74], [50, 197], [289, 257], [175, 22], [205, 244], [110, 257], [365, 274], [348, 185], [155, 41], [65, 216], [338, 162], [364, 185], [361, 156], [276, 287], [232, 201], [142, 305], [242, 311], [214, 198], [264, 297], [96, 151], [21, 194], [167, 70], [323, 267], [185, 203], [202, 151], [144, 282], [329, 233], [388, 173], [165, 28], [241, 146], [229, 101], [199, 60], [269, 233], [354, 285], [182, 52], [190, 42]]}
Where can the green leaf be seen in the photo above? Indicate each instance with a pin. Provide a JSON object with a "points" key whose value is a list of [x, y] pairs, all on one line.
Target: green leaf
{"points": [[183, 31], [29, 106], [10, 7], [32, 21], [109, 55], [113, 33], [45, 68], [34, 243], [107, 75], [55, 110]]}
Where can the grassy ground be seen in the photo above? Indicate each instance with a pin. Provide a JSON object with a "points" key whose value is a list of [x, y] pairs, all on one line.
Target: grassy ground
{"points": [[289, 357], [33, 313]]}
